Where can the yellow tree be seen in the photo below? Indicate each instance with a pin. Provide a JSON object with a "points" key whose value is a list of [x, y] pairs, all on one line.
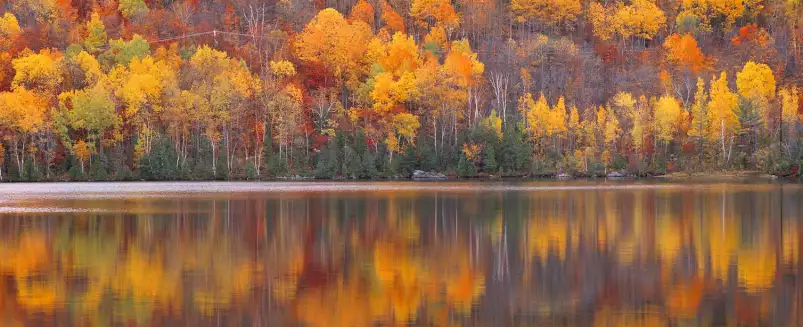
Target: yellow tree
{"points": [[399, 56], [641, 18], [537, 115], [89, 66], [463, 63], [435, 12], [92, 111], [223, 85], [82, 151], [756, 84], [143, 87], [493, 123], [789, 109], [9, 26], [602, 20], [573, 126], [24, 113], [705, 10], [95, 33], [388, 92], [723, 118], [404, 127], [612, 132], [334, 42], [39, 72], [699, 116], [624, 103], [556, 122], [441, 95], [667, 118], [9, 30], [552, 12], [282, 68]]}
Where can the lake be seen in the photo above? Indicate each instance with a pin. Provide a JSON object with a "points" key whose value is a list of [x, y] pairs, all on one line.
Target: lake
{"points": [[579, 253]]}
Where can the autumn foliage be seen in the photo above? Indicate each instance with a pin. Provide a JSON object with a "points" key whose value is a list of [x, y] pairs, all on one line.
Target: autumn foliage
{"points": [[380, 88]]}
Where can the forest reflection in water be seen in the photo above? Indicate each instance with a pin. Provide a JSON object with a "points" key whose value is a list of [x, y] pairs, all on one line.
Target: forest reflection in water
{"points": [[691, 255]]}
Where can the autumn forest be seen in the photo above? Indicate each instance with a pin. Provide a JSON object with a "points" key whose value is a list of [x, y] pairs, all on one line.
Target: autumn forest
{"points": [[254, 89]]}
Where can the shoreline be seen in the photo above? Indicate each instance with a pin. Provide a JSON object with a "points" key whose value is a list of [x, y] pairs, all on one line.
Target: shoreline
{"points": [[675, 176]]}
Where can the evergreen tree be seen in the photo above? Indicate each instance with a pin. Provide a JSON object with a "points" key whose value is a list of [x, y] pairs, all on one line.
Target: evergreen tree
{"points": [[160, 163], [369, 165], [465, 168], [352, 165], [489, 160]]}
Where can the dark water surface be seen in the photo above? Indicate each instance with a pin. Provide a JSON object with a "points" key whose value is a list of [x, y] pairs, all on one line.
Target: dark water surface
{"points": [[432, 254]]}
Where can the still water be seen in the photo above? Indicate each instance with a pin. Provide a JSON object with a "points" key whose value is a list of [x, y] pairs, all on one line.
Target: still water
{"points": [[432, 254]]}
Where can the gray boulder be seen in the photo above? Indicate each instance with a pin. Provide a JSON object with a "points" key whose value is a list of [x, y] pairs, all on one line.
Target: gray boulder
{"points": [[421, 175], [616, 174]]}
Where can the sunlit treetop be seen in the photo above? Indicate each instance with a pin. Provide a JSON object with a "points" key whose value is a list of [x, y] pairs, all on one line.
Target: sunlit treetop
{"points": [[435, 12], [756, 81], [133, 8], [641, 18], [683, 51], [329, 39], [95, 33], [363, 11], [550, 11], [9, 26], [393, 20], [122, 52], [23, 110], [38, 71], [722, 108], [463, 61], [282, 68]]}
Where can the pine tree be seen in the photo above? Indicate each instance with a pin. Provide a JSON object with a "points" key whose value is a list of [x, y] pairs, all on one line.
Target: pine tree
{"points": [[489, 160]]}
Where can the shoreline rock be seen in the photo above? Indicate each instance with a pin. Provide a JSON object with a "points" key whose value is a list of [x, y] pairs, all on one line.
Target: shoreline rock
{"points": [[420, 175]]}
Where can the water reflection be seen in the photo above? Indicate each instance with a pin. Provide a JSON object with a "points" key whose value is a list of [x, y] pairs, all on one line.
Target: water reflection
{"points": [[693, 256]]}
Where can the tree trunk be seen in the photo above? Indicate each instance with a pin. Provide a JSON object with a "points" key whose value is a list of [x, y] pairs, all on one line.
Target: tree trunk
{"points": [[722, 138], [214, 158]]}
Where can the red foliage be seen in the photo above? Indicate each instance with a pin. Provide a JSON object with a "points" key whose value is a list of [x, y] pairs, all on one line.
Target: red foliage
{"points": [[316, 76], [607, 51], [688, 147]]}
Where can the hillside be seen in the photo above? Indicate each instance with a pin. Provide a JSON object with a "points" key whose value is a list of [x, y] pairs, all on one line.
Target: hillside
{"points": [[107, 90]]}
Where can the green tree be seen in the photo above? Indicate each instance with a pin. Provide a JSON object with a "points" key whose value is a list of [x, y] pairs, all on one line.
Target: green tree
{"points": [[95, 34]]}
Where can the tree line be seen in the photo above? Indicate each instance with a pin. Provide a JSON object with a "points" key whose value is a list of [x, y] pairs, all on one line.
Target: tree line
{"points": [[376, 89]]}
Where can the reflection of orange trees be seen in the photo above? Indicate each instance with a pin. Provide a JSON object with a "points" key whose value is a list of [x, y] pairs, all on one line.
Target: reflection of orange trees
{"points": [[755, 261], [696, 247], [549, 236], [38, 288], [343, 304], [791, 243], [400, 283], [143, 277], [221, 275], [608, 317], [683, 299], [403, 284], [756, 268], [29, 254], [40, 292]]}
